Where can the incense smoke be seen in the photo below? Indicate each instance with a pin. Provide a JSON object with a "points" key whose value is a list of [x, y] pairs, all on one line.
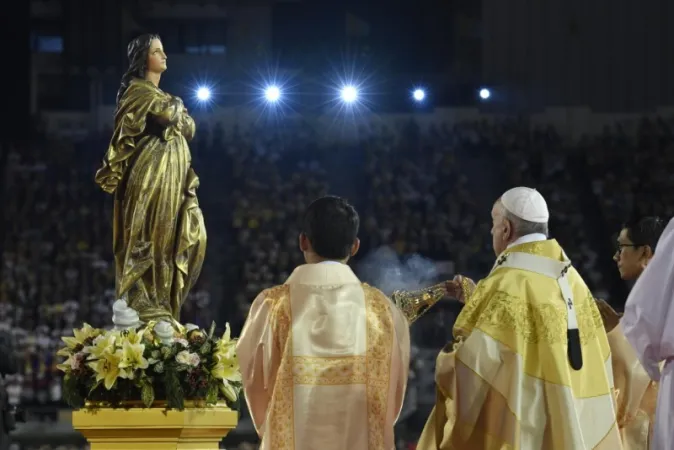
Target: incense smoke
{"points": [[384, 269]]}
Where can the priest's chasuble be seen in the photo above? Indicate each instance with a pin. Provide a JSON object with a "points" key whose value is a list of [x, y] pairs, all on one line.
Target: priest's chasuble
{"points": [[509, 382], [324, 360], [636, 393], [648, 325]]}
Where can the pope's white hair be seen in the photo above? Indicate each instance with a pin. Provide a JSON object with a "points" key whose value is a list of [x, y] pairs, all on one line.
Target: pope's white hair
{"points": [[523, 227]]}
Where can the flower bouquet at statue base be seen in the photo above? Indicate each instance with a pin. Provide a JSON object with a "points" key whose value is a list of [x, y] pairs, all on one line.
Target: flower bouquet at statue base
{"points": [[136, 370]]}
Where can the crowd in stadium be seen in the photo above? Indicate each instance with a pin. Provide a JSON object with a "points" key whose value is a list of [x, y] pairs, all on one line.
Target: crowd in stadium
{"points": [[418, 191]]}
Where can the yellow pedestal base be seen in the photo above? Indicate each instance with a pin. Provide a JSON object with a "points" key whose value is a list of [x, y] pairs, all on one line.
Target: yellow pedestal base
{"points": [[155, 428]]}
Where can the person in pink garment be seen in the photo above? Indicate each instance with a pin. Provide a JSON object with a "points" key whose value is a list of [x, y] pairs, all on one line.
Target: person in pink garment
{"points": [[648, 324]]}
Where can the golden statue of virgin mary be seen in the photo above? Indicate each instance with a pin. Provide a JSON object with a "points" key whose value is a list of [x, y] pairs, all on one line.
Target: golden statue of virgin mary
{"points": [[159, 237]]}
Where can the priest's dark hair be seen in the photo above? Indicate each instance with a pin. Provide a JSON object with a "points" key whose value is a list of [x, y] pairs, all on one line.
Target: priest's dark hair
{"points": [[645, 231], [331, 226]]}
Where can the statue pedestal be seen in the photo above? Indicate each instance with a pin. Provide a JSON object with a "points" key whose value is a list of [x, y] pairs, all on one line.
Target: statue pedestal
{"points": [[155, 428]]}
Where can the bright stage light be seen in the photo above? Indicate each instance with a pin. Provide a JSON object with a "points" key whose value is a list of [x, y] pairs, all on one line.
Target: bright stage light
{"points": [[419, 95], [484, 93], [272, 93], [203, 94], [349, 94]]}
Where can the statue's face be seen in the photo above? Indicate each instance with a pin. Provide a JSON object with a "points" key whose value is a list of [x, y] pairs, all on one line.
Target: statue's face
{"points": [[156, 58]]}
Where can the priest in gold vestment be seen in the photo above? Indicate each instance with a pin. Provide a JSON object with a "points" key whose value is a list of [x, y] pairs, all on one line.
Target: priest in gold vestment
{"points": [[324, 357], [648, 324], [531, 365], [636, 393]]}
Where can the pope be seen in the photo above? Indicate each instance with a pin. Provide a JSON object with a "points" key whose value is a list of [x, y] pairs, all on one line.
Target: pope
{"points": [[530, 368]]}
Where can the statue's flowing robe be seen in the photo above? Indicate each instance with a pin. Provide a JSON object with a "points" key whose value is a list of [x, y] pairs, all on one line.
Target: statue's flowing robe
{"points": [[159, 237]]}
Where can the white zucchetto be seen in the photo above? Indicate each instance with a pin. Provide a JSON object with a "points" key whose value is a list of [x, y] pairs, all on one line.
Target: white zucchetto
{"points": [[527, 204]]}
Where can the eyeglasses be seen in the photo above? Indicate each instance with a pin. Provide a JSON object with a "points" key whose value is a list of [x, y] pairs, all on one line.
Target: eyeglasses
{"points": [[620, 247]]}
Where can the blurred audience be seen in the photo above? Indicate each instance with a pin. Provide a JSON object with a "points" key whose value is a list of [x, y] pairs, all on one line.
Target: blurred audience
{"points": [[427, 192]]}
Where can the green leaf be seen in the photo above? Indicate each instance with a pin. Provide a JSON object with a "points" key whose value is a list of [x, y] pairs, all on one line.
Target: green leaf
{"points": [[175, 397], [72, 394], [212, 395], [96, 384], [147, 393], [211, 331], [205, 348]]}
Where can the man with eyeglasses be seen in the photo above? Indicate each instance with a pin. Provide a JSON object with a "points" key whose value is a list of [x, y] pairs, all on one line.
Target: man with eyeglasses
{"points": [[636, 393], [648, 325], [636, 245]]}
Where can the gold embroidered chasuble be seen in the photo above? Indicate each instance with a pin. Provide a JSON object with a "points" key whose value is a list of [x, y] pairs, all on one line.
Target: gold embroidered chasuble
{"points": [[508, 383], [324, 360], [636, 393]]}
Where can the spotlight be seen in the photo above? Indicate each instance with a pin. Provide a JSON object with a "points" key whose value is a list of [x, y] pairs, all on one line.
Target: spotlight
{"points": [[272, 93], [203, 94], [349, 94], [484, 93], [419, 95]]}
